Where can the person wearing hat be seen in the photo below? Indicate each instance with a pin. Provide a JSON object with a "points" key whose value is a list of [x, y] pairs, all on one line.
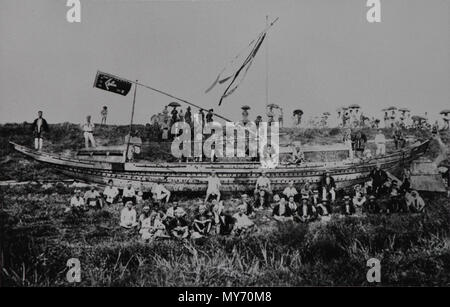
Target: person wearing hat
{"points": [[201, 226], [188, 116], [129, 194], [328, 186], [263, 183], [262, 201], [76, 203], [93, 198], [111, 193], [281, 212], [243, 222], [209, 116], [290, 190], [128, 216], [347, 206], [179, 227], [323, 208], [372, 205], [213, 189]]}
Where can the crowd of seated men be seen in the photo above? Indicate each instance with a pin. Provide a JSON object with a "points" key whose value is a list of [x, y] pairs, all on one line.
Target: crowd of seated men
{"points": [[162, 218]]}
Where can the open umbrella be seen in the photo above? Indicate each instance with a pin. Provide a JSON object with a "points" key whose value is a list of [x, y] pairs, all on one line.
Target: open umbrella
{"points": [[174, 104], [246, 107], [445, 112], [272, 105], [403, 110], [392, 108], [417, 118], [298, 111], [354, 106]]}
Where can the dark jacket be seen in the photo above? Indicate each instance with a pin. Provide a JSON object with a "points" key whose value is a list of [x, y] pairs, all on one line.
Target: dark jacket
{"points": [[379, 177], [323, 183], [287, 211], [44, 127]]}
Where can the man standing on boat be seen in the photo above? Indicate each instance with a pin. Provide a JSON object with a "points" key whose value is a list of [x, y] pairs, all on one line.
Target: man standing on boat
{"points": [[380, 142], [88, 132], [328, 186], [39, 126]]}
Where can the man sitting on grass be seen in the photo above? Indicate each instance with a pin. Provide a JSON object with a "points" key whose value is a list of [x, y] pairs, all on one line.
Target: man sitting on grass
{"points": [[111, 193], [306, 211], [347, 206], [93, 198], [76, 203], [179, 227], [281, 211], [243, 223], [201, 226], [129, 194], [225, 222], [128, 216], [416, 204], [261, 201]]}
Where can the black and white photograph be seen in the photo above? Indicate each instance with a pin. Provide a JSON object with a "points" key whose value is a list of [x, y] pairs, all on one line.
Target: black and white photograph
{"points": [[224, 150]]}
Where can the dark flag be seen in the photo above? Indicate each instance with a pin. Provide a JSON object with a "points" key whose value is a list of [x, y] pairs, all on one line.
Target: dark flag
{"points": [[247, 63], [112, 83]]}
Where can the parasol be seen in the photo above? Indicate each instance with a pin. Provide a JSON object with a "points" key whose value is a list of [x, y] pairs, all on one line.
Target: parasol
{"points": [[392, 108], [272, 105], [174, 104], [404, 110], [354, 106], [246, 107], [445, 112], [298, 111]]}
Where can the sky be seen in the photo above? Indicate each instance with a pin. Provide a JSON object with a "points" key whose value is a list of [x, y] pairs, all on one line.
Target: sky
{"points": [[322, 54]]}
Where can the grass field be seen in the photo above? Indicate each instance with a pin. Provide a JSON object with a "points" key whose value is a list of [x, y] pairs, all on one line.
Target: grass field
{"points": [[38, 237]]}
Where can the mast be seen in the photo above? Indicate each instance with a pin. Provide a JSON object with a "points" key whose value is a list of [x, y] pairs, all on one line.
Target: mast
{"points": [[267, 63], [131, 122]]}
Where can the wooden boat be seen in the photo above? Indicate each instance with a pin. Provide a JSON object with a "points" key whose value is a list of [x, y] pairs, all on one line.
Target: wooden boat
{"points": [[99, 166]]}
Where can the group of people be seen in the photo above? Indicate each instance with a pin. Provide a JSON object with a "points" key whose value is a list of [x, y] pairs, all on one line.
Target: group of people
{"points": [[162, 218]]}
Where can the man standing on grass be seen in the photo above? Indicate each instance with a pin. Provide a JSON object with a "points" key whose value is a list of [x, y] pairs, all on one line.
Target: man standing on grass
{"points": [[39, 127], [88, 132]]}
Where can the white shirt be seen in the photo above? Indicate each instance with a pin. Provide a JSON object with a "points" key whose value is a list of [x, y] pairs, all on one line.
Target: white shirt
{"points": [[288, 191], [213, 184], [128, 217], [76, 202], [159, 191], [380, 139], [39, 124], [263, 182], [242, 220], [88, 127], [110, 193], [129, 192]]}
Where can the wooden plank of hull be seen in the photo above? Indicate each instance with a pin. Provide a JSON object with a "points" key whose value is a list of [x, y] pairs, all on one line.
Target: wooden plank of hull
{"points": [[234, 176]]}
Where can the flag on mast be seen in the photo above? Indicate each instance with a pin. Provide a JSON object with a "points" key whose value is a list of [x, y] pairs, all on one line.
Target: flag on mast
{"points": [[112, 83], [237, 74]]}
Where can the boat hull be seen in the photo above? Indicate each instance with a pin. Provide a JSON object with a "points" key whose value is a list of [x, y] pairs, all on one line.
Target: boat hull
{"points": [[185, 177]]}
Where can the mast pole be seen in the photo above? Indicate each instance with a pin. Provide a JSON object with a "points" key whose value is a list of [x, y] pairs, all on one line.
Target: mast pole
{"points": [[131, 122], [267, 63]]}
